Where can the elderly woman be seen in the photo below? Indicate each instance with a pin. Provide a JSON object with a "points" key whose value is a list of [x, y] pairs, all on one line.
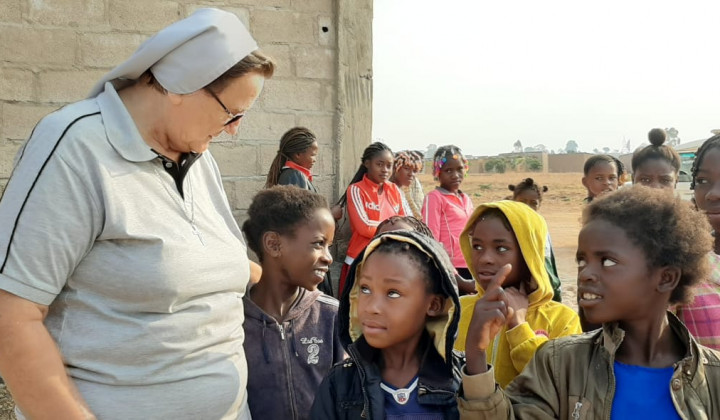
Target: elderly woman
{"points": [[122, 269]]}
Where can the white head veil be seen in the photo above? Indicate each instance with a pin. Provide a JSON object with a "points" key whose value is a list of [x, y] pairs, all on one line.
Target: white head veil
{"points": [[187, 55]]}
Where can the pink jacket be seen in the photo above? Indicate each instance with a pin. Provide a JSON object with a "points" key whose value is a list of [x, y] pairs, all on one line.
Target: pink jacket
{"points": [[446, 215]]}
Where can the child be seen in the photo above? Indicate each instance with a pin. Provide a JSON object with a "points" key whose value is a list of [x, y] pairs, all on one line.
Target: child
{"points": [[294, 160], [702, 315], [601, 176], [371, 198], [508, 232], [291, 339], [656, 165], [397, 320], [405, 168], [446, 208], [639, 250], [530, 193]]}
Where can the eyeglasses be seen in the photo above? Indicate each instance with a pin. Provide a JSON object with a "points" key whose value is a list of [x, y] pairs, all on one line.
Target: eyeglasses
{"points": [[233, 117]]}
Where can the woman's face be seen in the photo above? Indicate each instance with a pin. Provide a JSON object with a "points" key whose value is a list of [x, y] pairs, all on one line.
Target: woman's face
{"points": [[404, 175], [656, 173], [307, 158], [197, 118], [379, 167]]}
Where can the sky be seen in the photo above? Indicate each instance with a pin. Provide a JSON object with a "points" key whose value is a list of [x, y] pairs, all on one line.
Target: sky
{"points": [[483, 74]]}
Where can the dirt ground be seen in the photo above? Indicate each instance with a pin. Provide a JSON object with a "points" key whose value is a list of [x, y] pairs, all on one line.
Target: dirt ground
{"points": [[561, 206], [7, 407]]}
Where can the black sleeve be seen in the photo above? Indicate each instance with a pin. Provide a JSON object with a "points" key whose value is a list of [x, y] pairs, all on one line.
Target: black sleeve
{"points": [[323, 407]]}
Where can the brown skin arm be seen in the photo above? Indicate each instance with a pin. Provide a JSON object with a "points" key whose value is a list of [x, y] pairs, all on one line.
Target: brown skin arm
{"points": [[31, 364], [490, 315]]}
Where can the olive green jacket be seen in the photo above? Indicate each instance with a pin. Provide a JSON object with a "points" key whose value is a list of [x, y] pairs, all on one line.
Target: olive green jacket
{"points": [[572, 378]]}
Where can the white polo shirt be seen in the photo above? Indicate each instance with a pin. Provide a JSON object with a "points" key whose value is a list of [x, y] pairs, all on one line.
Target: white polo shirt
{"points": [[144, 285]]}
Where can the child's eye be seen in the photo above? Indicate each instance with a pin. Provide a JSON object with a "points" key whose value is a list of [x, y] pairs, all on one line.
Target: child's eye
{"points": [[607, 262], [581, 263], [503, 249], [393, 294], [477, 247], [364, 290], [701, 181]]}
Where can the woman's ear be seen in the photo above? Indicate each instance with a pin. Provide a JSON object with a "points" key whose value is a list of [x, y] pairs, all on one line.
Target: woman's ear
{"points": [[669, 279], [271, 244], [437, 304]]}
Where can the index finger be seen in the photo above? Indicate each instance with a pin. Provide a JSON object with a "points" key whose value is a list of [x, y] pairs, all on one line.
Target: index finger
{"points": [[499, 277]]}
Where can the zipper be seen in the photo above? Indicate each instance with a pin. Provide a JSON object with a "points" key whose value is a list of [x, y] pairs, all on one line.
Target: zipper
{"points": [[288, 370], [366, 402], [576, 412]]}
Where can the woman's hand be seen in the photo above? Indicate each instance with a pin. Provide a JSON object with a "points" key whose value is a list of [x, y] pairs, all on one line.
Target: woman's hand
{"points": [[490, 315]]}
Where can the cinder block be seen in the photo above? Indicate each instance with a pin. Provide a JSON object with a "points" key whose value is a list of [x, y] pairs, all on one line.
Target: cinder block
{"points": [[8, 151], [242, 13], [315, 63], [326, 31], [245, 190], [21, 45], [67, 86], [326, 6], [266, 154], [17, 85], [321, 125], [71, 13], [143, 15], [298, 95], [108, 49], [280, 55], [20, 119], [259, 125], [10, 11], [278, 26], [235, 159]]}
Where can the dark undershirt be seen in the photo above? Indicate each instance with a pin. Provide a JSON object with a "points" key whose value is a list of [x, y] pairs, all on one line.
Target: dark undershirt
{"points": [[178, 170]]}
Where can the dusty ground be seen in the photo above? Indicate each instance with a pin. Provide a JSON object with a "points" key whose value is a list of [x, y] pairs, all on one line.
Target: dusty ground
{"points": [[562, 206]]}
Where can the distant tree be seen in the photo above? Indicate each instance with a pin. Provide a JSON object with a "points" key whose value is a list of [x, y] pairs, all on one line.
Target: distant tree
{"points": [[495, 165], [540, 148], [672, 136], [571, 146], [517, 147], [533, 164], [596, 151], [606, 150]]}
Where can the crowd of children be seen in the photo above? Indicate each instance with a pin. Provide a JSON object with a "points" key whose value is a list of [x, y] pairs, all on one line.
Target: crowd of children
{"points": [[448, 310]]}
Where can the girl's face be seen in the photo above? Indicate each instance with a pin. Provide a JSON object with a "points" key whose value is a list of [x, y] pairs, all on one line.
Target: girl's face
{"points": [[451, 175], [614, 282], [707, 187], [305, 255], [493, 246], [656, 173], [601, 179], [307, 158], [379, 167], [394, 301], [529, 197], [404, 176]]}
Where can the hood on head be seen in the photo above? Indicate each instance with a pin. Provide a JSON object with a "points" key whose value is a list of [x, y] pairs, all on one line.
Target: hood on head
{"points": [[531, 233], [442, 329]]}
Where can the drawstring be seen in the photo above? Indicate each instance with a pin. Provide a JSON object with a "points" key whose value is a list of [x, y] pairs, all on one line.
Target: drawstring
{"points": [[266, 355]]}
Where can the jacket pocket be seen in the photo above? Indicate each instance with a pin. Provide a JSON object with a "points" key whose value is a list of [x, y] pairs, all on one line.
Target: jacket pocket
{"points": [[578, 408]]}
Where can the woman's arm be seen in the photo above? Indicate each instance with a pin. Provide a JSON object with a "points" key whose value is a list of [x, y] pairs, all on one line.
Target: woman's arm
{"points": [[431, 210], [31, 365], [360, 223]]}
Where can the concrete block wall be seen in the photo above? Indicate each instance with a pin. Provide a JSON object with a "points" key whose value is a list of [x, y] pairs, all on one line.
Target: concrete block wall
{"points": [[53, 51]]}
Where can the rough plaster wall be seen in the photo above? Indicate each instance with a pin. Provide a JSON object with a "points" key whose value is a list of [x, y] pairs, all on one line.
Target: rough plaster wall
{"points": [[52, 52]]}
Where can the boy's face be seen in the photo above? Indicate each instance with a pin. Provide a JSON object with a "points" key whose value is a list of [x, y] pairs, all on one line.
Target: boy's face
{"points": [[614, 282], [707, 187], [305, 256], [601, 179], [493, 246], [393, 300], [656, 173], [529, 197]]}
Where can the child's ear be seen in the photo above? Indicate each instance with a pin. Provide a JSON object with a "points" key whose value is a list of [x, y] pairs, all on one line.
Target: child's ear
{"points": [[271, 244], [437, 303], [669, 279], [584, 182]]}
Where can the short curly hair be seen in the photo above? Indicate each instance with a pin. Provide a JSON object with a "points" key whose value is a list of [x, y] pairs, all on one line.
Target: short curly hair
{"points": [[279, 209], [670, 233], [527, 184]]}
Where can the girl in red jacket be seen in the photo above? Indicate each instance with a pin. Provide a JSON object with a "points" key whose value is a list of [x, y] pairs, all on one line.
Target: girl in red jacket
{"points": [[370, 198]]}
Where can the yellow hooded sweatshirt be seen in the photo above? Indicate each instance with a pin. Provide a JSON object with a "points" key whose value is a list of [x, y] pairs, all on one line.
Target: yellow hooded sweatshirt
{"points": [[512, 349]]}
